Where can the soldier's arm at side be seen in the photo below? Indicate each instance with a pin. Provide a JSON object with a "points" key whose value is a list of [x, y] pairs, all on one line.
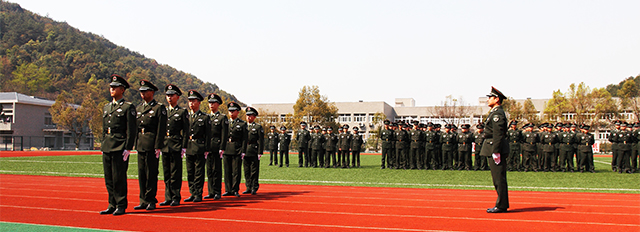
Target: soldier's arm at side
{"points": [[162, 127], [132, 127]]}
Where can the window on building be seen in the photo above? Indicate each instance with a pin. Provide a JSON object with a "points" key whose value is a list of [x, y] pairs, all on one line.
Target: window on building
{"points": [[359, 117], [344, 118]]}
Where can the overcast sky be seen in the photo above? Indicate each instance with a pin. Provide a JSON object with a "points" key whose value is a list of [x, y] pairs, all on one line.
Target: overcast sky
{"points": [[266, 51]]}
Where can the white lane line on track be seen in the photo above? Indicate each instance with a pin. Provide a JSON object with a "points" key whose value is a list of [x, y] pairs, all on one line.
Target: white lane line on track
{"points": [[229, 220], [71, 227], [339, 226]]}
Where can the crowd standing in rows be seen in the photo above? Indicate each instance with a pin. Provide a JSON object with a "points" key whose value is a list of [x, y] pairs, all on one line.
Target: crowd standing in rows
{"points": [[208, 142]]}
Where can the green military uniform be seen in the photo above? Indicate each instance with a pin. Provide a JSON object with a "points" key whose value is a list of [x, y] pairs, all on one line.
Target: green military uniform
{"points": [[199, 143], [218, 134], [316, 147], [636, 150], [448, 140], [344, 144], [515, 148], [119, 133], [529, 145], [585, 150], [272, 145], [401, 137], [496, 146], [234, 152], [625, 139], [465, 140], [613, 138], [431, 138], [283, 145], [567, 142], [255, 148], [386, 135], [331, 141], [415, 147], [437, 159], [480, 162], [549, 140], [151, 119], [356, 147], [174, 144], [303, 137]]}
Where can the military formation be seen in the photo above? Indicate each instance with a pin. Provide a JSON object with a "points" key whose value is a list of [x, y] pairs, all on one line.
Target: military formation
{"points": [[210, 141]]}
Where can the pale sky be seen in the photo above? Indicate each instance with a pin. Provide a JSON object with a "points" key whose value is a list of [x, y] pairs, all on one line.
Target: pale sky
{"points": [[266, 51]]}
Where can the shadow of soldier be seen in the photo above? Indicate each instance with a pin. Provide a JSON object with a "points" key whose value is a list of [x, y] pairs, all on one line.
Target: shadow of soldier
{"points": [[534, 209], [225, 202]]}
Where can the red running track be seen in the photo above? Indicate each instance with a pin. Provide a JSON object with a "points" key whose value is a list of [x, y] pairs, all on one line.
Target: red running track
{"points": [[75, 201]]}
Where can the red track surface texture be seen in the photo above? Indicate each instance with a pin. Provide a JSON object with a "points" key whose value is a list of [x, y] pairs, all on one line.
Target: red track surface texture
{"points": [[74, 201]]}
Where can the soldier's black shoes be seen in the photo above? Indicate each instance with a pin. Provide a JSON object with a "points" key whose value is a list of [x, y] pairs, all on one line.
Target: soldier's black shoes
{"points": [[246, 192], [216, 197], [165, 203], [151, 207], [190, 199], [175, 203], [496, 210], [227, 194], [141, 206], [119, 211], [108, 211], [208, 197], [236, 194], [197, 199], [254, 192]]}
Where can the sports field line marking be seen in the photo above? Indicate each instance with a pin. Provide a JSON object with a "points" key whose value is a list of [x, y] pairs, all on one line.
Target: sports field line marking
{"points": [[229, 220], [445, 217], [61, 173], [55, 162], [71, 227], [445, 185], [602, 162]]}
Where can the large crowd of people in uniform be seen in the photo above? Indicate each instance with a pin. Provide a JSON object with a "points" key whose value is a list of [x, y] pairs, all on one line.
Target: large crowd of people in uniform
{"points": [[210, 141]]}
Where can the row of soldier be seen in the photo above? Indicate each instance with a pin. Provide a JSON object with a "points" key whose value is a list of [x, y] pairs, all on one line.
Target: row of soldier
{"points": [[206, 142], [625, 146]]}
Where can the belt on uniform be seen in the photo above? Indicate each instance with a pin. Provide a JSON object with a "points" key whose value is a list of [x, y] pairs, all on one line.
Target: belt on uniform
{"points": [[624, 142], [567, 143]]}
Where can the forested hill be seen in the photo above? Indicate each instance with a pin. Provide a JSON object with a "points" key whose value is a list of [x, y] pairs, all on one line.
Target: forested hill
{"points": [[43, 58]]}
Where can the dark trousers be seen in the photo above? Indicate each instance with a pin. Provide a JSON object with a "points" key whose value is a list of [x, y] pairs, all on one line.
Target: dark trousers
{"points": [[437, 158], [513, 163], [303, 157], [328, 156], [566, 159], [634, 159], [214, 173], [615, 153], [343, 158], [547, 161], [232, 176], [447, 158], [172, 170], [284, 157], [273, 156], [148, 177], [480, 161], [429, 155], [414, 158], [315, 154], [251, 173], [529, 160], [585, 164], [115, 178], [623, 160], [355, 158], [195, 174], [464, 159], [386, 157], [321, 158], [499, 176], [401, 158]]}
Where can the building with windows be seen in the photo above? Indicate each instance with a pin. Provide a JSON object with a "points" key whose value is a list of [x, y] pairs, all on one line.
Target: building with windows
{"points": [[27, 123]]}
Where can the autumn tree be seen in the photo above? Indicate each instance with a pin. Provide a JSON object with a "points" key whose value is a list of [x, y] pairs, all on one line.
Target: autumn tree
{"points": [[513, 109], [530, 113], [604, 107], [75, 118], [556, 106], [314, 108], [451, 108], [30, 79], [373, 141], [629, 97]]}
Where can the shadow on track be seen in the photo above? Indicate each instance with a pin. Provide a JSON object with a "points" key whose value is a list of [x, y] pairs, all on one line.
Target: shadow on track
{"points": [[534, 209]]}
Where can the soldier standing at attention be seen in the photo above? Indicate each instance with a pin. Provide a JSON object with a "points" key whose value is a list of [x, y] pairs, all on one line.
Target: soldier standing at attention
{"points": [[119, 133], [330, 148], [218, 134], [386, 135], [151, 127], [356, 147], [496, 146], [480, 162], [635, 147], [464, 148], [198, 146], [174, 147], [556, 155], [283, 146], [400, 138], [530, 141], [303, 136], [255, 148], [316, 146], [613, 138], [437, 159], [448, 138], [272, 145], [567, 140], [515, 138], [235, 151], [548, 139], [625, 139], [415, 153], [344, 145], [431, 138], [322, 153], [585, 150]]}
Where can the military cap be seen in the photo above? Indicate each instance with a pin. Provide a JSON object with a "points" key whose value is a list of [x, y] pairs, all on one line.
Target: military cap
{"points": [[272, 127], [422, 125], [282, 128], [324, 129], [549, 125], [496, 93], [623, 124], [147, 85], [213, 98], [233, 106], [330, 129], [465, 126], [585, 127], [617, 123], [117, 80], [513, 122], [387, 122], [345, 126], [637, 124], [415, 122], [453, 126], [395, 124], [194, 95], [316, 127], [559, 124], [252, 111], [303, 123], [172, 89], [437, 125], [355, 128], [448, 126], [429, 124], [480, 126], [566, 125], [573, 125]]}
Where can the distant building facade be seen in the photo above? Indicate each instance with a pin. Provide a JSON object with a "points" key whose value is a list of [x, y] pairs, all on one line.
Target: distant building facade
{"points": [[27, 123]]}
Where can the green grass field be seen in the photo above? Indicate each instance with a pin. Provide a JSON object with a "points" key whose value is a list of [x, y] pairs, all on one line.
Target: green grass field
{"points": [[369, 174]]}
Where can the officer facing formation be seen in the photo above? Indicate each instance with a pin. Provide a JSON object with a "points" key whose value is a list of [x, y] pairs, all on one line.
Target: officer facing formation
{"points": [[174, 147], [218, 142], [198, 146], [496, 146], [255, 147], [151, 118], [119, 133]]}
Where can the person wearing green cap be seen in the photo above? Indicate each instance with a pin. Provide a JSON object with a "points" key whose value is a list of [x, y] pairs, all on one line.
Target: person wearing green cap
{"points": [[255, 149], [198, 146], [219, 133], [235, 151], [174, 147]]}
